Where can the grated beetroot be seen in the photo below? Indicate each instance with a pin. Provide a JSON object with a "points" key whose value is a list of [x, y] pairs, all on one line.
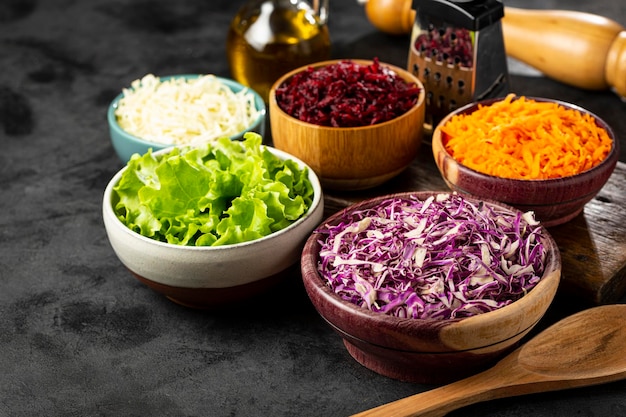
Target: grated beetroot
{"points": [[347, 94], [451, 46]]}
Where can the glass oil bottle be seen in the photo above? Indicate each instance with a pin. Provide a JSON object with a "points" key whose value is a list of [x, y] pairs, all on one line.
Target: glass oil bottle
{"points": [[268, 38]]}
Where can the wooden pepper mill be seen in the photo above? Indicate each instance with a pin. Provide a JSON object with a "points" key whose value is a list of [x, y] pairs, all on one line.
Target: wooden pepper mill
{"points": [[580, 49]]}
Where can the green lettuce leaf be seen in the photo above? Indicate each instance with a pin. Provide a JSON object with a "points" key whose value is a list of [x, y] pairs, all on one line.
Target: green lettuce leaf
{"points": [[220, 193]]}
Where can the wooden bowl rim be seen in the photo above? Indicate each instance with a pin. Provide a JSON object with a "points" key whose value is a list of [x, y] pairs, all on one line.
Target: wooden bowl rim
{"points": [[608, 163], [547, 286], [404, 74]]}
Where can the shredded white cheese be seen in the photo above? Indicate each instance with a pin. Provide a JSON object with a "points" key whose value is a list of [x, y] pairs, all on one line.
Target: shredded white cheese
{"points": [[180, 111]]}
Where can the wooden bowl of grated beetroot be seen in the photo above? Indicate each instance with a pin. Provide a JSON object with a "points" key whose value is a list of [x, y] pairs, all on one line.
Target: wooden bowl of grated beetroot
{"points": [[356, 123]]}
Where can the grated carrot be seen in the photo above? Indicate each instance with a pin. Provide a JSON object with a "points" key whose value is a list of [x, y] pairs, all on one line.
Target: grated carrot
{"points": [[522, 138]]}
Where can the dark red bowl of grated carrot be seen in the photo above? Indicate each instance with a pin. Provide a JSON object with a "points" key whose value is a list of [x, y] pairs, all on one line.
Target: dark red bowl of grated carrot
{"points": [[535, 154]]}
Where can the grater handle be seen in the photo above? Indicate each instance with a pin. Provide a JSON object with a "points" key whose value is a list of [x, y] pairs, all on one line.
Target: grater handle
{"points": [[581, 49], [576, 48]]}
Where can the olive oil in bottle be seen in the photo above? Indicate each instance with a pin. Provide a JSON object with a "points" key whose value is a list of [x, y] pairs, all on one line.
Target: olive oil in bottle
{"points": [[268, 38]]}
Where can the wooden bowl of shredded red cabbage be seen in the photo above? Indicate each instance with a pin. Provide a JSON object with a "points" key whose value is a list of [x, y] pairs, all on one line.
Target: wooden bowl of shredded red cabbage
{"points": [[430, 286]]}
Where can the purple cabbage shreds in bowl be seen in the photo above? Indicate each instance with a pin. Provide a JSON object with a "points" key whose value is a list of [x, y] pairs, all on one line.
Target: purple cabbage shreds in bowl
{"points": [[347, 94], [442, 258], [430, 287]]}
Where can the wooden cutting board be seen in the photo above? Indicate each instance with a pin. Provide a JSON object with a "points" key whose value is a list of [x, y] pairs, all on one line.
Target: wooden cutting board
{"points": [[593, 245]]}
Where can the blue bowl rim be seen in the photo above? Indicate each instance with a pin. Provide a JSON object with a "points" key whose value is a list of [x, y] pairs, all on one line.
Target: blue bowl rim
{"points": [[232, 84]]}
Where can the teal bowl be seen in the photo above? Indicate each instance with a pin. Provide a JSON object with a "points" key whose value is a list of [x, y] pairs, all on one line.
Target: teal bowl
{"points": [[126, 144]]}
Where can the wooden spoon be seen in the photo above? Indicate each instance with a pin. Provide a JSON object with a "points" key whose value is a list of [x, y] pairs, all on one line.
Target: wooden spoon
{"points": [[586, 348]]}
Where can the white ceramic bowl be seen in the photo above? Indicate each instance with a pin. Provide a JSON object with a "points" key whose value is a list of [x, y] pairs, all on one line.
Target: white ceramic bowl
{"points": [[211, 276]]}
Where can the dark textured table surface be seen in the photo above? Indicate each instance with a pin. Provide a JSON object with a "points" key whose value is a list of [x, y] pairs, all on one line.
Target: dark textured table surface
{"points": [[78, 335]]}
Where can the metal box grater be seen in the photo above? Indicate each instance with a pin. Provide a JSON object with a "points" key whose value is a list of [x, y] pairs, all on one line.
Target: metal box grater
{"points": [[457, 51]]}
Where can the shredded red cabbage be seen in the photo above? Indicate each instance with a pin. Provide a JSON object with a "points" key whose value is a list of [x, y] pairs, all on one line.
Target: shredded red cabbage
{"points": [[444, 257]]}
